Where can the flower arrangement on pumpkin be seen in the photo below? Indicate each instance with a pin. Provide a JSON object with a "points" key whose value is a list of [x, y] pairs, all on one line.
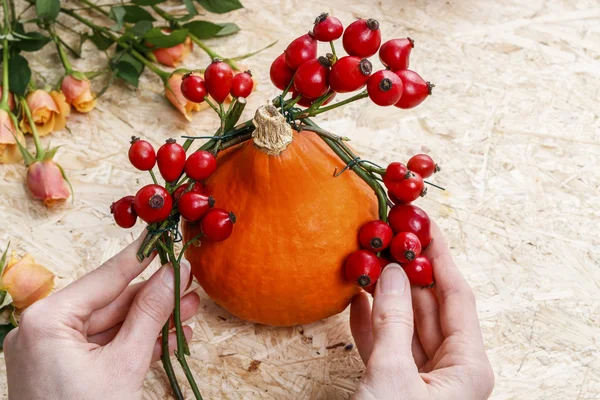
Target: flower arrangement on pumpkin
{"points": [[282, 222], [136, 36]]}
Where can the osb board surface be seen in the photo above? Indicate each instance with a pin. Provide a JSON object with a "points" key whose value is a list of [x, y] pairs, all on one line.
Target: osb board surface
{"points": [[515, 124]]}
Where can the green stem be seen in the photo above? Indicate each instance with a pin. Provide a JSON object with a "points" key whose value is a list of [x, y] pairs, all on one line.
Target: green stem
{"points": [[211, 53], [304, 114], [233, 116], [164, 75], [5, 82], [64, 59], [96, 7], [341, 150], [333, 49], [153, 177], [39, 150]]}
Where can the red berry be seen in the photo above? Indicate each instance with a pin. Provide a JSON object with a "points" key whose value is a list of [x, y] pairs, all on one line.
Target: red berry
{"points": [[415, 89], [300, 50], [405, 247], [123, 212], [142, 154], [217, 224], [419, 271], [311, 79], [409, 189], [410, 218], [327, 28], [395, 53], [242, 85], [394, 173], [193, 88], [200, 165], [362, 38], [393, 198], [349, 74], [306, 102], [363, 268], [384, 88], [218, 77], [153, 203], [423, 165], [193, 206], [198, 188], [171, 160], [281, 74], [375, 236]]}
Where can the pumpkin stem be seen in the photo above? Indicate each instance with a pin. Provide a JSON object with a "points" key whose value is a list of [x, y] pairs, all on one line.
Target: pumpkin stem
{"points": [[272, 134]]}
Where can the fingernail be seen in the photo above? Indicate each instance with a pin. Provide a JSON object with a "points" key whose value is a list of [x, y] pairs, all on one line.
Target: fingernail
{"points": [[392, 280]]}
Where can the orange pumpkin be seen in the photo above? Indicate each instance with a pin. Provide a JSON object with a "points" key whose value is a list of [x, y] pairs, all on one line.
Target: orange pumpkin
{"points": [[296, 224]]}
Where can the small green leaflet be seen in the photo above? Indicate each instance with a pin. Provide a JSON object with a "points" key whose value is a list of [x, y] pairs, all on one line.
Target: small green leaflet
{"points": [[161, 40], [31, 41], [140, 28], [47, 10], [220, 6], [147, 2], [207, 30], [20, 74]]}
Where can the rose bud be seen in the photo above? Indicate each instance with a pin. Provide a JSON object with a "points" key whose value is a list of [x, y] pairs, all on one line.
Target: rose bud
{"points": [[9, 150], [46, 182], [26, 281], [78, 93], [173, 56], [174, 95], [11, 100], [49, 112]]}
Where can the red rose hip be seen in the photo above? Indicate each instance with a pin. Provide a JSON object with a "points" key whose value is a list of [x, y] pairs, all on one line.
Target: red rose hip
{"points": [[408, 189], [300, 50], [415, 89], [217, 224], [395, 53], [311, 78], [200, 165], [153, 203], [410, 218], [349, 73], [194, 206], [123, 212], [327, 28], [419, 272], [171, 160], [193, 88], [242, 85], [384, 88], [141, 154], [281, 74], [423, 165], [218, 78], [198, 188], [362, 38], [405, 247], [362, 268], [375, 236]]}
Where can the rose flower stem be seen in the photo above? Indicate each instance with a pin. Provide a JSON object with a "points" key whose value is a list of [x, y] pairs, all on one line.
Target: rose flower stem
{"points": [[182, 347], [363, 174], [173, 21], [64, 59]]}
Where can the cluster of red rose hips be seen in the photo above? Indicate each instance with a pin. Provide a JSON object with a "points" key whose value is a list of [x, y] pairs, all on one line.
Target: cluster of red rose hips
{"points": [[404, 236], [314, 76], [218, 82], [155, 203]]}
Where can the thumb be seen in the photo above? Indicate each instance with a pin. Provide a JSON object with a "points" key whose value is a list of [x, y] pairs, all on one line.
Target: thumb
{"points": [[392, 315], [151, 309]]}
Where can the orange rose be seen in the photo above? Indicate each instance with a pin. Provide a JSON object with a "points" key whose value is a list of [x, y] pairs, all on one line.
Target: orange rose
{"points": [[46, 182], [78, 93], [174, 95], [26, 281], [173, 56], [49, 111], [9, 150]]}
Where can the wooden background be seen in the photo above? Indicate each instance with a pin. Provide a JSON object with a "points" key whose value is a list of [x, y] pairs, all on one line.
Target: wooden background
{"points": [[514, 122]]}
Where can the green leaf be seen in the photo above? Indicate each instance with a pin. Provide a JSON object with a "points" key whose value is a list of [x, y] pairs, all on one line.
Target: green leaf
{"points": [[4, 329], [147, 2], [220, 6], [140, 28], [117, 14], [32, 41], [5, 299], [128, 73], [159, 39], [135, 14], [203, 29], [190, 7], [229, 28], [47, 10], [19, 74], [100, 40], [131, 60]]}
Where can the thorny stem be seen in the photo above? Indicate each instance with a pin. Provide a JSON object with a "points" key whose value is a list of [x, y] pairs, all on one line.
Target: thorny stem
{"points": [[5, 49], [211, 53], [64, 59]]}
